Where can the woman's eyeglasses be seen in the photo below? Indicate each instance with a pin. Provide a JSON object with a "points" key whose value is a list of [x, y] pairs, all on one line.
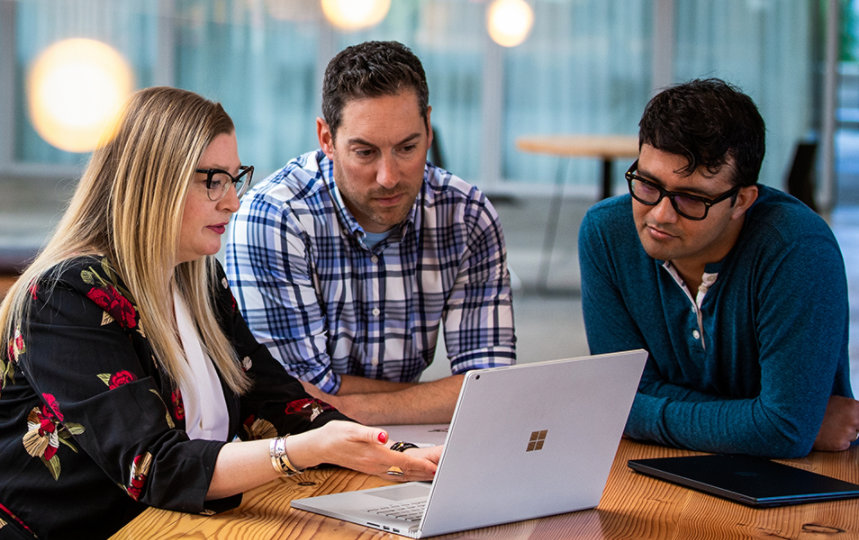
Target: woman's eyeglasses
{"points": [[688, 206], [218, 181]]}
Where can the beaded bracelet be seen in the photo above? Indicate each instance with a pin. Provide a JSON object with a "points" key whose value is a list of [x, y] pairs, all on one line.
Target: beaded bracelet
{"points": [[279, 459]]}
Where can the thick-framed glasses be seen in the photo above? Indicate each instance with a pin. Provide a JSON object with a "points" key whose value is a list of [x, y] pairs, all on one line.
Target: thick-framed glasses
{"points": [[218, 181], [689, 206]]}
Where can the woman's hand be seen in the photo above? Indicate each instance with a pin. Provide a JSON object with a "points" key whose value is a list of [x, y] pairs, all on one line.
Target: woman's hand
{"points": [[430, 453], [363, 449], [245, 465]]}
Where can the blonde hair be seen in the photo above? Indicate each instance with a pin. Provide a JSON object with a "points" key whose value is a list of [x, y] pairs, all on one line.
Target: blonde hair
{"points": [[131, 198]]}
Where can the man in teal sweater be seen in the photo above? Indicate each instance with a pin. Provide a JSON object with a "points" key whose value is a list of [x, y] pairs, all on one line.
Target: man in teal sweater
{"points": [[737, 290]]}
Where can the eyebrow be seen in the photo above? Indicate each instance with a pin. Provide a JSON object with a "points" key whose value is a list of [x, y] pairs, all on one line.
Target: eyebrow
{"points": [[690, 190], [218, 168], [225, 168], [360, 141]]}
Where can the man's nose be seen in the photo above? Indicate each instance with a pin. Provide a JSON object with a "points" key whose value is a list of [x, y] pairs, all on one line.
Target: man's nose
{"points": [[664, 211], [387, 176]]}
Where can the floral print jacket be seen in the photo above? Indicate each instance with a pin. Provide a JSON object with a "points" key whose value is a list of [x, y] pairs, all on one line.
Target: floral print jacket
{"points": [[91, 429]]}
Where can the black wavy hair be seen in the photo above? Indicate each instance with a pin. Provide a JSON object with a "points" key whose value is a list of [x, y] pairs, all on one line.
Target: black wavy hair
{"points": [[710, 123]]}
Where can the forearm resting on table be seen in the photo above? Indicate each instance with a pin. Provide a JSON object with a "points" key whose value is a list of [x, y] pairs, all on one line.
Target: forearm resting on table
{"points": [[724, 426], [385, 402], [245, 465], [352, 384], [241, 466]]}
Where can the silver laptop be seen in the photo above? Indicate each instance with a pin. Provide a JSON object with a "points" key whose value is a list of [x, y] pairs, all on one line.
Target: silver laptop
{"points": [[525, 441], [423, 435]]}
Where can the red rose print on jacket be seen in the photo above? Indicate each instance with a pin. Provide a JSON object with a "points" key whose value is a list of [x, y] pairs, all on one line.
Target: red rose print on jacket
{"points": [[45, 433], [115, 304], [178, 405], [115, 380], [137, 477], [308, 407], [41, 439], [258, 428], [16, 346], [53, 405], [121, 377]]}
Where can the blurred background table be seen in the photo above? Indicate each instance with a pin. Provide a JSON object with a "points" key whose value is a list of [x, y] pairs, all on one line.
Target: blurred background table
{"points": [[6, 281], [632, 506], [607, 148]]}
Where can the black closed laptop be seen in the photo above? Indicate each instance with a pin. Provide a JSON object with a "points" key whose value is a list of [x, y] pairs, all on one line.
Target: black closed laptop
{"points": [[748, 480]]}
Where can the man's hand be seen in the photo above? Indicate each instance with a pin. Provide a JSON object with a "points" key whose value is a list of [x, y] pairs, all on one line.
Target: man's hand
{"points": [[840, 425]]}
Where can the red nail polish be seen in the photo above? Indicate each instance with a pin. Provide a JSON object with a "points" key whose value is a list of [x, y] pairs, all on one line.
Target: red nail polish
{"points": [[383, 437]]}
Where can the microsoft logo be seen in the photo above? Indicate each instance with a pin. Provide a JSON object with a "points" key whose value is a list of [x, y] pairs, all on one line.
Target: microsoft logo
{"points": [[537, 440]]}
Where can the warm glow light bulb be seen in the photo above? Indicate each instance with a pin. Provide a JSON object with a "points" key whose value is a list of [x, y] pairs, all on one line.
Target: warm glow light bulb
{"points": [[355, 14], [75, 90], [509, 21]]}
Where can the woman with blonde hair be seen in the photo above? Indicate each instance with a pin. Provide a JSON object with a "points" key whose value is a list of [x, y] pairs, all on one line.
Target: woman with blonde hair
{"points": [[127, 375]]}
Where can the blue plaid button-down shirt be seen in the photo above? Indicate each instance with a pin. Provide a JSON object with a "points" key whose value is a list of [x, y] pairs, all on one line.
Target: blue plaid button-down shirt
{"points": [[325, 304]]}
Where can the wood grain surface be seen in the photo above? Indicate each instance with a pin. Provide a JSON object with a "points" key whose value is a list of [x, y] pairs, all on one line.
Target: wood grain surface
{"points": [[632, 506]]}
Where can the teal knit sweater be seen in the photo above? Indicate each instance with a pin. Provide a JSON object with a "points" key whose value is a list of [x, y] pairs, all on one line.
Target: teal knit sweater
{"points": [[756, 375]]}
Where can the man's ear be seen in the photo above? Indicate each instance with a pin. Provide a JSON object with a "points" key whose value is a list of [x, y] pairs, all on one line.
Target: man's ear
{"points": [[429, 127], [326, 138], [745, 198]]}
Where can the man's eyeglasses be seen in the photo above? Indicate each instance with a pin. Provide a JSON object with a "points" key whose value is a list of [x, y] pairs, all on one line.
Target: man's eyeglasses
{"points": [[688, 206], [218, 181]]}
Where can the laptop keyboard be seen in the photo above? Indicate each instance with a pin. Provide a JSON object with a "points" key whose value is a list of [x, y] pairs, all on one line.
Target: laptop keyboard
{"points": [[411, 512]]}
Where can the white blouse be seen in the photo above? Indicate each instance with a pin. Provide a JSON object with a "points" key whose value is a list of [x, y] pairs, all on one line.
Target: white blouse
{"points": [[206, 415]]}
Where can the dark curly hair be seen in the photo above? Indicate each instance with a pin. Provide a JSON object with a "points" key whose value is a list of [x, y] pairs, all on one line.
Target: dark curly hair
{"points": [[709, 122], [371, 69]]}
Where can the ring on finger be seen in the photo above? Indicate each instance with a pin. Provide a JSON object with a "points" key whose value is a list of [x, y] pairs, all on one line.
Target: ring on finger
{"points": [[394, 471]]}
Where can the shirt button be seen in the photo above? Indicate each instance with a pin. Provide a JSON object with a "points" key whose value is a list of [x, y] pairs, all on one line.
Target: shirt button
{"points": [[376, 312], [696, 334], [375, 259]]}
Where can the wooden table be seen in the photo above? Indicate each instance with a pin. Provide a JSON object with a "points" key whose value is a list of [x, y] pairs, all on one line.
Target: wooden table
{"points": [[632, 506], [607, 148], [6, 281]]}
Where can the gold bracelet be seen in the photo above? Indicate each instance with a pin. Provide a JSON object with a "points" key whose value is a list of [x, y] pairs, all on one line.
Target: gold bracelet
{"points": [[279, 459]]}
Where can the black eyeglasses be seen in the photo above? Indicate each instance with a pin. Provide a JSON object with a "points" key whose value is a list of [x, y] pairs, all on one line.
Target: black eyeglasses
{"points": [[218, 181], [688, 206]]}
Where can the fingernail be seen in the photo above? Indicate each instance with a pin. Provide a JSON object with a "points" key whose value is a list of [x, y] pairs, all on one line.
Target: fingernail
{"points": [[383, 437]]}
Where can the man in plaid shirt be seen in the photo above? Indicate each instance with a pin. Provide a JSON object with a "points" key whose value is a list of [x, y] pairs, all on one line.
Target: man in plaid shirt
{"points": [[347, 261]]}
